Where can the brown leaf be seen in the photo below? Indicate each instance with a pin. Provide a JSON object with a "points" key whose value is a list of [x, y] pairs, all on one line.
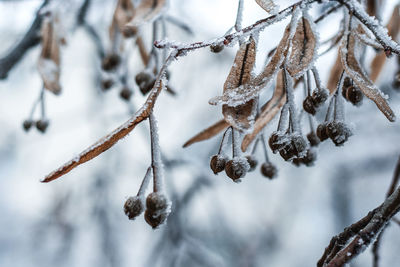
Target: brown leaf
{"points": [[147, 11], [268, 112], [268, 5], [353, 68], [304, 48], [124, 12], [334, 75], [241, 116], [208, 133]]}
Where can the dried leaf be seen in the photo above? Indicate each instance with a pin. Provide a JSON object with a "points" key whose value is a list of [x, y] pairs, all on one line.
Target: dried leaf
{"points": [[304, 48], [124, 12], [268, 112], [353, 68], [147, 11], [208, 133], [269, 6], [241, 116], [335, 73]]}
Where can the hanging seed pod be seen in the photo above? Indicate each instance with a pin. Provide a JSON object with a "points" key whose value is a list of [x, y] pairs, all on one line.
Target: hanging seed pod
{"points": [[217, 163], [237, 168], [111, 62], [125, 93], [217, 48], [106, 84], [268, 170], [277, 141], [42, 125], [309, 106], [354, 95], [319, 96], [252, 162], [133, 207], [155, 220], [296, 148], [309, 158], [157, 209], [313, 139], [338, 132], [321, 131], [27, 124]]}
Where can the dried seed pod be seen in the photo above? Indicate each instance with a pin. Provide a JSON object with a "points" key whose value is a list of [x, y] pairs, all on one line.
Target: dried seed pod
{"points": [[319, 96], [308, 105], [237, 168], [111, 62], [354, 95], [252, 162], [106, 84], [42, 125], [147, 87], [125, 93], [155, 220], [313, 139], [27, 124], [347, 82], [277, 141], [133, 207], [156, 202], [309, 158], [338, 132], [321, 131], [217, 163], [217, 48], [268, 170], [143, 77], [295, 148]]}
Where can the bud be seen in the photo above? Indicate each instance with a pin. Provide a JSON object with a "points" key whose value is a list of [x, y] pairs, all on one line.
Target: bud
{"points": [[313, 139], [143, 77], [157, 209], [155, 220], [308, 105], [321, 132], [277, 141], [237, 168], [309, 158], [107, 84], [111, 62], [125, 93], [268, 170], [252, 162], [217, 163], [216, 48], [42, 125], [27, 124], [354, 95], [133, 207], [338, 132], [319, 96]]}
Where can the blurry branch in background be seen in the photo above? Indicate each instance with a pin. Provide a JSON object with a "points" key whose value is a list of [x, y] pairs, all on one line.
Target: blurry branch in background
{"points": [[29, 40], [357, 237]]}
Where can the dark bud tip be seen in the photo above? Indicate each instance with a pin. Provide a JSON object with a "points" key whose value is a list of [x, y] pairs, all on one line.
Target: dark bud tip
{"points": [[216, 48], [308, 105], [252, 162], [354, 95], [319, 96], [321, 132], [277, 141], [27, 124], [237, 168], [125, 93], [111, 62], [313, 139], [268, 170], [217, 163], [42, 125], [338, 132], [133, 207]]}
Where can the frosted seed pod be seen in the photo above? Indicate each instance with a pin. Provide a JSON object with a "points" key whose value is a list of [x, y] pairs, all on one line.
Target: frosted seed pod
{"points": [[309, 158], [277, 141], [156, 202], [125, 93], [143, 78], [155, 219], [308, 105], [313, 139], [111, 62], [354, 95], [42, 125], [319, 96], [145, 88], [347, 83], [321, 132], [252, 162], [217, 163], [216, 48], [236, 168], [133, 207], [268, 170], [27, 124], [299, 145], [106, 84], [338, 132]]}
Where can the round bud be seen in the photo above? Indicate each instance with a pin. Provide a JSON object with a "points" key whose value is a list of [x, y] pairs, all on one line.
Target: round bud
{"points": [[237, 168], [319, 96], [27, 124], [216, 48], [309, 158], [111, 62], [308, 105], [347, 82], [156, 202], [42, 125], [277, 141], [133, 207], [217, 163], [313, 139], [354, 95], [125, 93], [143, 78], [268, 170], [299, 145], [321, 132], [344, 92], [106, 84], [338, 132], [155, 220], [252, 162], [145, 88]]}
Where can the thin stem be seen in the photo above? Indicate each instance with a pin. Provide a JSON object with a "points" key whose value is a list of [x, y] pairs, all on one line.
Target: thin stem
{"points": [[264, 145], [145, 182], [42, 103], [308, 83], [224, 139], [239, 15], [156, 162]]}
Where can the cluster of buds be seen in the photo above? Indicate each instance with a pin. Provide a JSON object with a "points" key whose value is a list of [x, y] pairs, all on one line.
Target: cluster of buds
{"points": [[41, 125], [317, 98]]}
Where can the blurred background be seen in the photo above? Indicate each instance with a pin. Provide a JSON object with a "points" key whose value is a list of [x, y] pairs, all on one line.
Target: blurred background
{"points": [[78, 220]]}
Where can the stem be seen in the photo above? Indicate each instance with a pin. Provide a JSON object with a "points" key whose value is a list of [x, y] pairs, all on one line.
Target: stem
{"points": [[156, 162], [224, 139], [264, 145], [239, 15], [145, 183]]}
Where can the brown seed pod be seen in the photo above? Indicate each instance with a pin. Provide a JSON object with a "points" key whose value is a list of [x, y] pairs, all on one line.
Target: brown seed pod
{"points": [[252, 162], [125, 93], [147, 87], [133, 207], [354, 95], [268, 170], [42, 125], [313, 139], [237, 168], [277, 141], [338, 132], [27, 124], [347, 83], [308, 105], [217, 163], [111, 62], [155, 219], [309, 158], [106, 84], [319, 97], [299, 144], [216, 48], [321, 131], [156, 202], [143, 77]]}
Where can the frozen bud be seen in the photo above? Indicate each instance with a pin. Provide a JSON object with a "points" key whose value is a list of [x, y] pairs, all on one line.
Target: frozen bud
{"points": [[143, 77], [252, 162], [319, 96], [321, 132], [133, 207], [155, 219], [42, 125], [147, 87], [308, 105], [107, 84], [27, 124], [277, 141], [313, 139], [125, 93], [237, 168], [268, 170], [216, 48], [156, 202], [309, 158], [296, 148], [338, 132], [217, 163], [347, 82], [354, 95], [110, 62]]}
